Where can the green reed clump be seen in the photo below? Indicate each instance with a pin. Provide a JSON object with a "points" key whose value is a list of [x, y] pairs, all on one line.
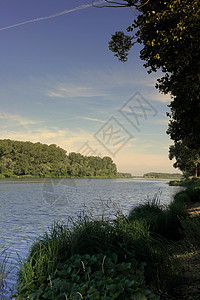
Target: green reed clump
{"points": [[153, 213], [5, 269], [44, 255], [129, 241], [162, 220]]}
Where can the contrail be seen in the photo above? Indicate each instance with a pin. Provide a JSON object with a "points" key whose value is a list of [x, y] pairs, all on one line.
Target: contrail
{"points": [[64, 12]]}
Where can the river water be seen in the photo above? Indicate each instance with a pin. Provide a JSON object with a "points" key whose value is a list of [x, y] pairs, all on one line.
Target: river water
{"points": [[29, 207]]}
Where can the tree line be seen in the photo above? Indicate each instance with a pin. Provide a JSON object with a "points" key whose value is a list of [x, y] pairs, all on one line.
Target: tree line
{"points": [[19, 158], [162, 175]]}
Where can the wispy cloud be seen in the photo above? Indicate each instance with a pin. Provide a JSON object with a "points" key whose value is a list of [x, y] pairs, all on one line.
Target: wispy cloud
{"points": [[67, 139], [72, 91], [162, 122], [93, 119], [64, 12], [16, 118]]}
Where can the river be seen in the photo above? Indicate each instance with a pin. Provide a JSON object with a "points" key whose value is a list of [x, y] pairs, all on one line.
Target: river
{"points": [[28, 207]]}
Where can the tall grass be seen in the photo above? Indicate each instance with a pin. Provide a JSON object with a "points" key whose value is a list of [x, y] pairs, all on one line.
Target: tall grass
{"points": [[162, 220], [5, 270], [129, 241], [137, 244]]}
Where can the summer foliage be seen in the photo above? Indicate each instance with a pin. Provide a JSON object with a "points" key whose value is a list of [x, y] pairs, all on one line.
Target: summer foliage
{"points": [[170, 34], [129, 257], [36, 159]]}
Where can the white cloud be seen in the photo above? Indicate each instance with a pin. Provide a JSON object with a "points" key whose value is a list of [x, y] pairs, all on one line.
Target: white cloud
{"points": [[16, 119], [68, 140], [72, 91], [162, 122], [160, 97], [93, 119]]}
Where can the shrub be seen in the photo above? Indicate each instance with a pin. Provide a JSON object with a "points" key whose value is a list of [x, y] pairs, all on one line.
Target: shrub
{"points": [[93, 277], [161, 220], [129, 241], [152, 213]]}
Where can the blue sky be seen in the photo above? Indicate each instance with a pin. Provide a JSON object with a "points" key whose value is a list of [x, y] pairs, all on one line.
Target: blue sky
{"points": [[60, 84]]}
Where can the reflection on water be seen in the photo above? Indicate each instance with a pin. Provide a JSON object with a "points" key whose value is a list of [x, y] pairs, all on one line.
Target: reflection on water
{"points": [[29, 207]]}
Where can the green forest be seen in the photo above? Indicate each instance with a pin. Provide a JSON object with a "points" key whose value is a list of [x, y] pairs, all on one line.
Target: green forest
{"points": [[19, 158], [163, 175]]}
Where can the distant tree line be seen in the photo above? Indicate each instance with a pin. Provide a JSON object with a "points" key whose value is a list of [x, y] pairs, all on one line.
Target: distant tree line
{"points": [[162, 175], [35, 159]]}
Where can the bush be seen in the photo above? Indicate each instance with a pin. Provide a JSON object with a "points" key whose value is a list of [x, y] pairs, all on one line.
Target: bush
{"points": [[152, 213], [161, 220], [124, 244], [93, 277]]}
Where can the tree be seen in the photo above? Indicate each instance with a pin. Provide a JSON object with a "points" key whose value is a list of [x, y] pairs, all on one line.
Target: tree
{"points": [[187, 160], [121, 44], [122, 3], [170, 34]]}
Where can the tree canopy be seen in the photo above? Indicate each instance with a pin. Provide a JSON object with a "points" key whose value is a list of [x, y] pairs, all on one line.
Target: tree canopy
{"points": [[170, 34], [187, 160], [36, 159]]}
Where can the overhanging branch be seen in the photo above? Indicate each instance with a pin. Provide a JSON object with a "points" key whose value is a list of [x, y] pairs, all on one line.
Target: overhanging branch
{"points": [[134, 4]]}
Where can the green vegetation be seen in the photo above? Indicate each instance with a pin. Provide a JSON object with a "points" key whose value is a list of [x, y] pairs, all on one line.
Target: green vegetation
{"points": [[162, 175], [187, 160], [130, 257], [27, 160], [4, 269], [190, 182], [125, 175], [97, 259]]}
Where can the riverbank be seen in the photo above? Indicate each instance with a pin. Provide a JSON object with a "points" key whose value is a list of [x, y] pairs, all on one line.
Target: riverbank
{"points": [[120, 176], [191, 182], [139, 255]]}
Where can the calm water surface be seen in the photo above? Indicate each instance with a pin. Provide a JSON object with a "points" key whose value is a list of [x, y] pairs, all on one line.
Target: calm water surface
{"points": [[29, 207]]}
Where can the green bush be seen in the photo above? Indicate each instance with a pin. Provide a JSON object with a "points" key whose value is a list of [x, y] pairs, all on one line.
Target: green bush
{"points": [[161, 220], [129, 241], [152, 213], [93, 277]]}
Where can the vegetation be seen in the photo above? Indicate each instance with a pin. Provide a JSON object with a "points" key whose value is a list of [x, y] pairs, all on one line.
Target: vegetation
{"points": [[5, 269], [187, 160], [125, 175], [162, 175], [190, 182], [169, 32], [130, 257], [39, 160], [95, 259]]}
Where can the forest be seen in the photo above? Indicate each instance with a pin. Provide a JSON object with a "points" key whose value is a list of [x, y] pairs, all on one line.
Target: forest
{"points": [[163, 175], [19, 158]]}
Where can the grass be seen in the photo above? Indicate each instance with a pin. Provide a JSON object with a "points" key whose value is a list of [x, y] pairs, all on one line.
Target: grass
{"points": [[5, 269], [132, 257], [126, 246], [162, 220]]}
